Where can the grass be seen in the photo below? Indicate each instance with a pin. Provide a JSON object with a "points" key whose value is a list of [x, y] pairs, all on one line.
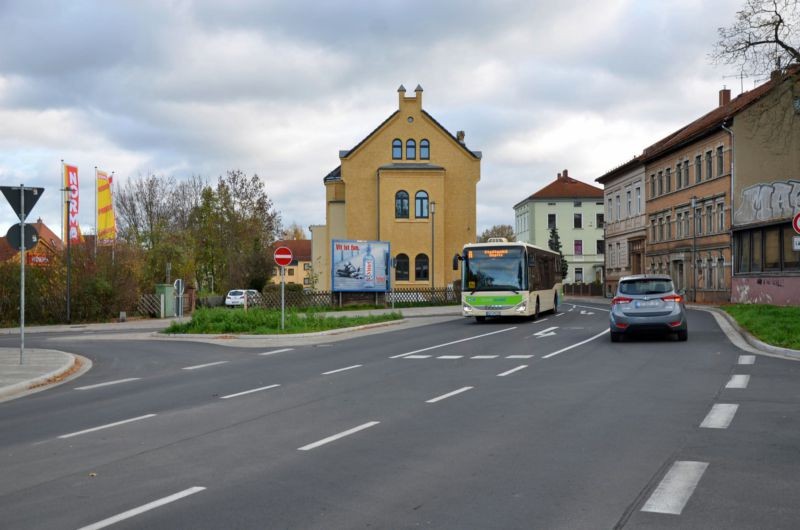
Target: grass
{"points": [[220, 320], [778, 326]]}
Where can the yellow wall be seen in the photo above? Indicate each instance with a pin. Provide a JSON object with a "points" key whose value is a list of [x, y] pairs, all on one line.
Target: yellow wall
{"points": [[352, 209]]}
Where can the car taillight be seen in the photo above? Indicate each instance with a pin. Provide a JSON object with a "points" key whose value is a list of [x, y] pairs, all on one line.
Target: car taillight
{"points": [[673, 298], [621, 300]]}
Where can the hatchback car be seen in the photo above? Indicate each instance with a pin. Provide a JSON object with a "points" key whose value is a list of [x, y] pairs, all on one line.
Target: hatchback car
{"points": [[235, 297], [647, 302]]}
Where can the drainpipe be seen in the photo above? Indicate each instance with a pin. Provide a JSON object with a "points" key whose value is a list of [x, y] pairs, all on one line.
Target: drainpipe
{"points": [[378, 202], [733, 169]]}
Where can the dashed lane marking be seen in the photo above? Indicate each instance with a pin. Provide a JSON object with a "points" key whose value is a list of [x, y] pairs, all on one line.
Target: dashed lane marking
{"points": [[484, 357], [343, 369], [335, 437], [107, 426], [273, 352], [675, 489], [98, 385], [450, 357], [198, 366], [249, 391], [450, 394], [747, 359], [509, 372], [720, 416], [738, 381], [518, 356]]}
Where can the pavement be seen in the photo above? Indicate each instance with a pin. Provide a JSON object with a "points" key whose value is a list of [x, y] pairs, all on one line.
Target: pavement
{"points": [[43, 368]]}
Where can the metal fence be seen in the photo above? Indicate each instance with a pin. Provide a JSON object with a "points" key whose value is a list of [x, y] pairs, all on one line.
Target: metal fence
{"points": [[583, 289]]}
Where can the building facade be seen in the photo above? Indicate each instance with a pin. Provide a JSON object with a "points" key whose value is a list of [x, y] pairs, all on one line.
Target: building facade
{"points": [[766, 172], [300, 270], [410, 182], [576, 210], [625, 222]]}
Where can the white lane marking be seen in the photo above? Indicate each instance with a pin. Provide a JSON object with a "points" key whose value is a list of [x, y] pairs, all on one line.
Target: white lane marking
{"points": [[484, 357], [453, 342], [343, 369], [517, 369], [586, 312], [335, 437], [747, 359], [518, 356], [560, 314], [675, 488], [545, 332], [144, 508], [738, 381], [562, 350], [450, 394], [450, 357], [417, 357], [273, 352], [249, 391], [592, 308], [198, 366], [70, 435], [98, 385], [720, 416], [539, 321]]}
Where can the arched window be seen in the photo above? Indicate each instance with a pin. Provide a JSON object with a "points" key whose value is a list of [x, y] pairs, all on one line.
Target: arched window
{"points": [[401, 205], [424, 150], [411, 150], [401, 268], [421, 267], [397, 149], [421, 205]]}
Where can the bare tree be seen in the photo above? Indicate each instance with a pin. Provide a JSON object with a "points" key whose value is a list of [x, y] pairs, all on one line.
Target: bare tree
{"points": [[765, 37], [505, 231], [294, 231]]}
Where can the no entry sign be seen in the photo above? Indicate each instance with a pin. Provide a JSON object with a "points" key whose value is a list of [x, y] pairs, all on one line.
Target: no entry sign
{"points": [[283, 256], [796, 223]]}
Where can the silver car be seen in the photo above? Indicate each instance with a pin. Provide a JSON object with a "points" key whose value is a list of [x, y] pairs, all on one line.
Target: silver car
{"points": [[648, 302]]}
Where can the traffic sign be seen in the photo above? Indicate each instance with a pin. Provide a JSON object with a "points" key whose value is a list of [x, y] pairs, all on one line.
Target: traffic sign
{"points": [[283, 256], [796, 222], [14, 198], [31, 237]]}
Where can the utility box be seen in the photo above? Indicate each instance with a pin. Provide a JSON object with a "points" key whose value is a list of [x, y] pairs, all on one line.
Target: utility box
{"points": [[166, 292]]}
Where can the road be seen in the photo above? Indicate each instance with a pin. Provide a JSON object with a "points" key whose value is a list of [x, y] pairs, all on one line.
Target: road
{"points": [[506, 424]]}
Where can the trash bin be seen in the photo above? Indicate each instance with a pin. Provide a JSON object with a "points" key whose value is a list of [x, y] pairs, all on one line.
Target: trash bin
{"points": [[168, 291]]}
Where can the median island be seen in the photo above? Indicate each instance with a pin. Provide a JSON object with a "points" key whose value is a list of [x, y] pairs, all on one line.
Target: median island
{"points": [[268, 321]]}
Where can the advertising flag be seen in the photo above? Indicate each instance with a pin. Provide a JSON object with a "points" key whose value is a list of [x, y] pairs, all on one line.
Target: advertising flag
{"points": [[106, 223], [71, 185]]}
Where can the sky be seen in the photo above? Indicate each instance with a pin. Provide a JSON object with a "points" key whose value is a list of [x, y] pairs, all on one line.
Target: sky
{"points": [[277, 88]]}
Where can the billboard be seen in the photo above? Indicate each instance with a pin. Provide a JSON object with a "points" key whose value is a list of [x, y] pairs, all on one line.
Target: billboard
{"points": [[360, 266]]}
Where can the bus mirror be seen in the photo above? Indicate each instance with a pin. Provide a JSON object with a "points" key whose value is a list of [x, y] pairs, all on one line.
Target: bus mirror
{"points": [[456, 259]]}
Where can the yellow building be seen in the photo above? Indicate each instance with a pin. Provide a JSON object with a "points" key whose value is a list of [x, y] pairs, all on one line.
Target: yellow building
{"points": [[299, 270], [409, 182]]}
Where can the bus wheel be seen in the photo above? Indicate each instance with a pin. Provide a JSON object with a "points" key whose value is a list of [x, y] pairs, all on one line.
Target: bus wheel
{"points": [[480, 319], [555, 303], [536, 311]]}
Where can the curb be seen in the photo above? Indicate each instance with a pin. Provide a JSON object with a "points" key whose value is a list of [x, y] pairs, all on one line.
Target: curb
{"points": [[755, 345], [48, 380]]}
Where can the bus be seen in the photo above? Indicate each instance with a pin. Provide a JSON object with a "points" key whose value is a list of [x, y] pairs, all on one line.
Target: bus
{"points": [[502, 278]]}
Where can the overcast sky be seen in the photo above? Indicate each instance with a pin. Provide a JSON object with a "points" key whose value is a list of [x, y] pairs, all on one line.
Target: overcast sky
{"points": [[278, 88]]}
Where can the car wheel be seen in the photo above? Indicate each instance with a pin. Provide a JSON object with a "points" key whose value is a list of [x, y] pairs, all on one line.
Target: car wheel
{"points": [[683, 335], [480, 319], [615, 337]]}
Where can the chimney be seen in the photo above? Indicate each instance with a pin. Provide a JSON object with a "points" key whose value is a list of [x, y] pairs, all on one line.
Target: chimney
{"points": [[724, 97], [566, 175], [401, 92], [460, 137], [558, 177]]}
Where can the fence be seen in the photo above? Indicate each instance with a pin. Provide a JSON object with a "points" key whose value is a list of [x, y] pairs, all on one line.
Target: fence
{"points": [[583, 289]]}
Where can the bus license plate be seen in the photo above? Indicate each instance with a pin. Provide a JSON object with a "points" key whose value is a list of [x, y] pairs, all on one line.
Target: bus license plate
{"points": [[493, 313]]}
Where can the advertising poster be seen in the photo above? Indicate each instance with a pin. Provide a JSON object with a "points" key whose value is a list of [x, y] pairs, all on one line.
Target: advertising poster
{"points": [[360, 266], [106, 229], [71, 185]]}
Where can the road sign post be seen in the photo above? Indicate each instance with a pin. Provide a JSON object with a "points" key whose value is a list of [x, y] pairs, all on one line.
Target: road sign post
{"points": [[283, 257], [22, 201]]}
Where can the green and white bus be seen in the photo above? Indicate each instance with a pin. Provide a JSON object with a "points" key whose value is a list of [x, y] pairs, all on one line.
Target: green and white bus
{"points": [[500, 278]]}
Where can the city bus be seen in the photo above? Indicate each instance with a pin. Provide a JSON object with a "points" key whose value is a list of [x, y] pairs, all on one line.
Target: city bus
{"points": [[502, 278]]}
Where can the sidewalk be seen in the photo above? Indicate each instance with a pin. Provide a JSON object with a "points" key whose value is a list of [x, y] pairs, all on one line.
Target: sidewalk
{"points": [[44, 368]]}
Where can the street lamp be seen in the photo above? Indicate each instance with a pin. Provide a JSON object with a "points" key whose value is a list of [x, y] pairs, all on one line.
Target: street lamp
{"points": [[433, 247]]}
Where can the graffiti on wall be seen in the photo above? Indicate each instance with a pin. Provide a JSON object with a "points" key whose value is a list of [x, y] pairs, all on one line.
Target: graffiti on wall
{"points": [[763, 202]]}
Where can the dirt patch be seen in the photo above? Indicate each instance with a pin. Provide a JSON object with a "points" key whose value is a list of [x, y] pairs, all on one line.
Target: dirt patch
{"points": [[76, 366]]}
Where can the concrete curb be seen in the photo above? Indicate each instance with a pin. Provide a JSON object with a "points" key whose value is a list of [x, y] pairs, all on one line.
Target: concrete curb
{"points": [[44, 382]]}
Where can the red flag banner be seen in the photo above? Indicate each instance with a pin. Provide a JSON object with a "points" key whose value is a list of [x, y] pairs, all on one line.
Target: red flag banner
{"points": [[71, 185]]}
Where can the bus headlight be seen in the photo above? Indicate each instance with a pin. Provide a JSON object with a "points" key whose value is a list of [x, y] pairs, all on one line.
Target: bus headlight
{"points": [[522, 308], [467, 309]]}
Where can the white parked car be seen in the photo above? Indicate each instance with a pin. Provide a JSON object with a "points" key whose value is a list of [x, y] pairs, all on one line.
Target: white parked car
{"points": [[235, 297]]}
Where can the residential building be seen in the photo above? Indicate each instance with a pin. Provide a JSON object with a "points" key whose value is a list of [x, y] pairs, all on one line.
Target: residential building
{"points": [[409, 182], [299, 271], [625, 222], [766, 175], [576, 210], [47, 246]]}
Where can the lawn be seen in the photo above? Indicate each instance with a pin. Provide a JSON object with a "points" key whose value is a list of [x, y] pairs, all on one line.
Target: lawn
{"points": [[268, 321], [778, 326]]}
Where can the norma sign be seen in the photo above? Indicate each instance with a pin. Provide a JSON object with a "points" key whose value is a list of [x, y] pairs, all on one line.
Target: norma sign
{"points": [[283, 256], [796, 222]]}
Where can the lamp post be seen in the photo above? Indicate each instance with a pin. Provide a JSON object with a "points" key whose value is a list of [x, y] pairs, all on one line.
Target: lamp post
{"points": [[433, 247]]}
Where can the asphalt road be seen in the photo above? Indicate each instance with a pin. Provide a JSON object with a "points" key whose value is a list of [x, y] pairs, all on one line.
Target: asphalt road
{"points": [[507, 424]]}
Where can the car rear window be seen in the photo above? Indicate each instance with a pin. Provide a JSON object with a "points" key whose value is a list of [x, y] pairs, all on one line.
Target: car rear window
{"points": [[235, 293], [645, 286]]}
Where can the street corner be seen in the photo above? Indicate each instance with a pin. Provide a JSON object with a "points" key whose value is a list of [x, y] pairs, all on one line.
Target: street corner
{"points": [[37, 369]]}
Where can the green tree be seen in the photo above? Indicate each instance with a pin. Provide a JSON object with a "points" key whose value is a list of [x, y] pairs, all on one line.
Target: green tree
{"points": [[506, 231], [555, 245]]}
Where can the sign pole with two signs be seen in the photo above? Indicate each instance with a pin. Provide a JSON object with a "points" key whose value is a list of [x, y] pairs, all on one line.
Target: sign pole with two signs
{"points": [[23, 237], [283, 257]]}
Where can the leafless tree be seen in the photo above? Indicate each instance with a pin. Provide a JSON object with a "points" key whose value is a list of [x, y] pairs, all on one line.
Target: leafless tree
{"points": [[764, 37]]}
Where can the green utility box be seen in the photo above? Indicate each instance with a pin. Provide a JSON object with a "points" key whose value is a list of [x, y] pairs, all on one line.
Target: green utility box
{"points": [[168, 292]]}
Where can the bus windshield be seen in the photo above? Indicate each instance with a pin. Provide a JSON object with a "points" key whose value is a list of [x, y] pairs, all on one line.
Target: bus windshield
{"points": [[494, 269]]}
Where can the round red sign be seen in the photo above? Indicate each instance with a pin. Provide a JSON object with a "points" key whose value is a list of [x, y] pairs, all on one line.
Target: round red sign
{"points": [[283, 256], [796, 223]]}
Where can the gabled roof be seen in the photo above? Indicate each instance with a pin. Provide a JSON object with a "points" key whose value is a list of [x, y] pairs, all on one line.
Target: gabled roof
{"points": [[48, 236], [619, 170], [565, 187], [712, 121], [334, 175], [301, 248]]}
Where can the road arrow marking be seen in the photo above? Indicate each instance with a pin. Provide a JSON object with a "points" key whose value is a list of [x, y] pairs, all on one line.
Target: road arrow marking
{"points": [[586, 312], [545, 332]]}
